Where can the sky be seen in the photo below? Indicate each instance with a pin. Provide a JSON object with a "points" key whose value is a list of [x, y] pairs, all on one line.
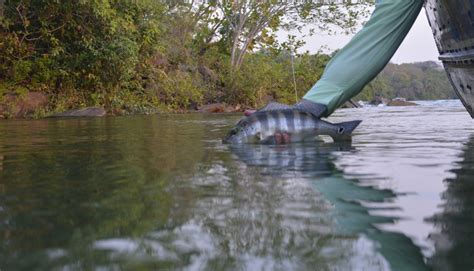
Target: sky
{"points": [[418, 46]]}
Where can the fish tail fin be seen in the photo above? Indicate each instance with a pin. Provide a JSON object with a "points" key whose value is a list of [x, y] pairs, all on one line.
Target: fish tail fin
{"points": [[344, 130]]}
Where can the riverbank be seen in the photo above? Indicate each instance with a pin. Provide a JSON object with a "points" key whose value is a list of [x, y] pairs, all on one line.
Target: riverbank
{"points": [[36, 105], [263, 79], [146, 57]]}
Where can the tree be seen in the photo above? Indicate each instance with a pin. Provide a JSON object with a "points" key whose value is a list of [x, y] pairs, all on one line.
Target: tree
{"points": [[135, 56], [414, 81], [88, 47], [248, 24]]}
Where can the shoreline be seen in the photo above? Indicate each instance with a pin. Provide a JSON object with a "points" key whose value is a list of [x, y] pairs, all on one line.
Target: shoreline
{"points": [[35, 106]]}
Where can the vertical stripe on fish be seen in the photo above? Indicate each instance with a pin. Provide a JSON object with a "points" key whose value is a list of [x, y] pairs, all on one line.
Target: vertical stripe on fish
{"points": [[283, 122], [263, 119], [275, 116], [298, 122], [290, 120]]}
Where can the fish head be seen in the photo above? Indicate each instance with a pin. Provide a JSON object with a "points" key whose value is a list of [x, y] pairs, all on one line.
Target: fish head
{"points": [[237, 135], [244, 132]]}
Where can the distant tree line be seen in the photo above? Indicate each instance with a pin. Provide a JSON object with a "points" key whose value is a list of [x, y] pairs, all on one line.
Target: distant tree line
{"points": [[416, 81]]}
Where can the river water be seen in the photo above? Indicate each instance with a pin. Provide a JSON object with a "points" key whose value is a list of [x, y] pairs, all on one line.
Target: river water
{"points": [[162, 192]]}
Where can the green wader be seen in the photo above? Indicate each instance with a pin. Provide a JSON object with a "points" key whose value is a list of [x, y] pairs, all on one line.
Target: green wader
{"points": [[366, 54]]}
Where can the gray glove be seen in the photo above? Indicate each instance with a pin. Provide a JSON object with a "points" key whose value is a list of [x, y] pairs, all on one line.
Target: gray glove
{"points": [[316, 109]]}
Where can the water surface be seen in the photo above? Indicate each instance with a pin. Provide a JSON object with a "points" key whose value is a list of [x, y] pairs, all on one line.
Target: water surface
{"points": [[162, 192]]}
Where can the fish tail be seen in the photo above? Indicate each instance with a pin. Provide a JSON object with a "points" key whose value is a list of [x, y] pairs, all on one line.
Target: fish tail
{"points": [[344, 130]]}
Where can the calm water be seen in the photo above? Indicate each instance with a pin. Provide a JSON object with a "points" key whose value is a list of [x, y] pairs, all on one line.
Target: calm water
{"points": [[162, 192]]}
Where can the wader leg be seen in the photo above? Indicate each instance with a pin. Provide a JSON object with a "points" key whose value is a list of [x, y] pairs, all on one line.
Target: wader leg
{"points": [[366, 54]]}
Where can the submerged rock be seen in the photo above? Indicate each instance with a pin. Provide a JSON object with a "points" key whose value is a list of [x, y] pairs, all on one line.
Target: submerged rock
{"points": [[19, 106], [85, 112], [400, 102]]}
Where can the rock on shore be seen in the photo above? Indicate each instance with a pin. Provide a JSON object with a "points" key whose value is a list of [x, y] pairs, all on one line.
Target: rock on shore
{"points": [[217, 108], [85, 112], [18, 106], [379, 101]]}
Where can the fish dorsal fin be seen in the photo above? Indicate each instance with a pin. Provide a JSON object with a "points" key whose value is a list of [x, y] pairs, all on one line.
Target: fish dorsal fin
{"points": [[315, 109], [272, 106]]}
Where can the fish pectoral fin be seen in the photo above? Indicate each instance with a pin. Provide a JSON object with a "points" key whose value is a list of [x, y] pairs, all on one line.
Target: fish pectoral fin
{"points": [[280, 138]]}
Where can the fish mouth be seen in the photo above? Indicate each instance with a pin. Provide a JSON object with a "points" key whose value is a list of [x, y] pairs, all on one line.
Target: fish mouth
{"points": [[235, 137], [229, 139], [226, 140]]}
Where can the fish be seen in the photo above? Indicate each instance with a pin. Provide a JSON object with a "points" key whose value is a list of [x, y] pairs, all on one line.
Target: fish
{"points": [[300, 126]]}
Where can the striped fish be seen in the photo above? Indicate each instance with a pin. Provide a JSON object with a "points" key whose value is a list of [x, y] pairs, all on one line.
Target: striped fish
{"points": [[261, 127]]}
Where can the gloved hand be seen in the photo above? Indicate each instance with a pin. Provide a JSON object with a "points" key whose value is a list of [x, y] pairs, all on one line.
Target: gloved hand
{"points": [[316, 109]]}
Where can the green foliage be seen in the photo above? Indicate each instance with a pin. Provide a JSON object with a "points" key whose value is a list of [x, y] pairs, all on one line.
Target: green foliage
{"points": [[135, 56], [417, 81], [178, 89], [267, 76], [84, 48]]}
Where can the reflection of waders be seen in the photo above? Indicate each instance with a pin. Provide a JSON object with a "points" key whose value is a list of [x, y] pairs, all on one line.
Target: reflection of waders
{"points": [[366, 54]]}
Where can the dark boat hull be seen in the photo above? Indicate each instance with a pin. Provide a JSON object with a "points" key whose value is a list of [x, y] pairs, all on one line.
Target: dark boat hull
{"points": [[452, 22]]}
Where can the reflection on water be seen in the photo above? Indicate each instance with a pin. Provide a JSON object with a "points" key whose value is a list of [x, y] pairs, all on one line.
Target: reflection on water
{"points": [[314, 163], [455, 241], [162, 192]]}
